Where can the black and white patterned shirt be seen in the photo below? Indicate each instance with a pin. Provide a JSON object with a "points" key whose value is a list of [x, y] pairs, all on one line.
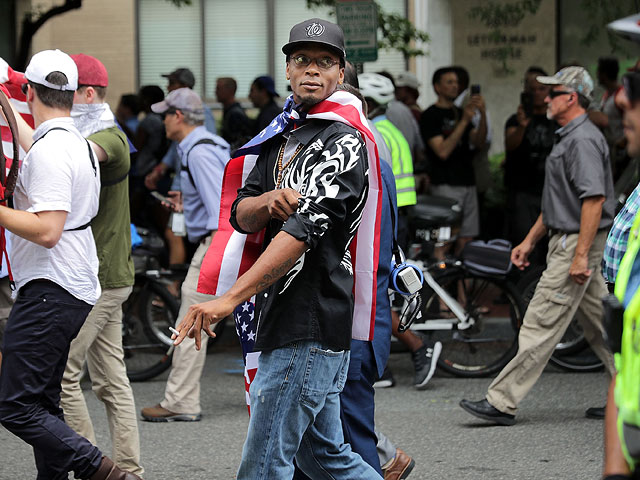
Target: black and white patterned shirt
{"points": [[314, 300]]}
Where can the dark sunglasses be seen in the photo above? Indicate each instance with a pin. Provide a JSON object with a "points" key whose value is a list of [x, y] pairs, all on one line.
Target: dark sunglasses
{"points": [[171, 111], [556, 93], [631, 85], [324, 63]]}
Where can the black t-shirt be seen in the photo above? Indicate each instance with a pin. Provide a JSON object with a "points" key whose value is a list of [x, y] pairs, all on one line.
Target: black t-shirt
{"points": [[524, 166], [458, 168]]}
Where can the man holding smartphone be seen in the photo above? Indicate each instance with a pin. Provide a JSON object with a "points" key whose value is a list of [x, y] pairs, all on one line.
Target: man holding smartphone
{"points": [[451, 139], [203, 159]]}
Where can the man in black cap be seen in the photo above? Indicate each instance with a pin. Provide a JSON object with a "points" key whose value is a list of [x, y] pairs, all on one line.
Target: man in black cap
{"points": [[307, 190], [262, 94], [183, 78]]}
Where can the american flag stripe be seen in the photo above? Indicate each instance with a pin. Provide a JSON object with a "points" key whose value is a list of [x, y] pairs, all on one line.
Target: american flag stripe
{"points": [[250, 370], [231, 253], [344, 107], [13, 81]]}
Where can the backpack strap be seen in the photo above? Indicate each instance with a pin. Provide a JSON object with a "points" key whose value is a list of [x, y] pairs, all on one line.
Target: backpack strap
{"points": [[115, 181], [185, 166], [93, 165]]}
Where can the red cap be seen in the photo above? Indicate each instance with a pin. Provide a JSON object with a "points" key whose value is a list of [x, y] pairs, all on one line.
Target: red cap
{"points": [[91, 71]]}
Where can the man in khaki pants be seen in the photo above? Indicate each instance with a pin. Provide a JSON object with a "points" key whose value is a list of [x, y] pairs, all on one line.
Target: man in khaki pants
{"points": [[204, 157], [577, 211], [99, 341]]}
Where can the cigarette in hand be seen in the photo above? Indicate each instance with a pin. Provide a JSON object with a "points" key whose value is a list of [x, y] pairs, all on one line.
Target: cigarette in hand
{"points": [[174, 331]]}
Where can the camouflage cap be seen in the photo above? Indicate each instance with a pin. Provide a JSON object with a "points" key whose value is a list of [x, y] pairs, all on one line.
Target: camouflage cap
{"points": [[576, 78]]}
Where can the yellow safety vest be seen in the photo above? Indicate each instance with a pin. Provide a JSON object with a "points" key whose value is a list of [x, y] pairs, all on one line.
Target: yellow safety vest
{"points": [[402, 162], [627, 390]]}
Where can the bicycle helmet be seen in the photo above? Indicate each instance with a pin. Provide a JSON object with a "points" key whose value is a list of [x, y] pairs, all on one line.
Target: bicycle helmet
{"points": [[376, 87]]}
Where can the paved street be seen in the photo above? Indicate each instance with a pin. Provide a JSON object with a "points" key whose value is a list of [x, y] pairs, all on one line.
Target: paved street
{"points": [[552, 439]]}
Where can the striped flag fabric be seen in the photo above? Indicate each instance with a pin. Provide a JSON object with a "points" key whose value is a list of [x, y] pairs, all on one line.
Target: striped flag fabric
{"points": [[12, 81]]}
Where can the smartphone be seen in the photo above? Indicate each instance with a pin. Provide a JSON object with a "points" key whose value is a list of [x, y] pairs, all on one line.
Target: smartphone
{"points": [[526, 100], [475, 89], [161, 198]]}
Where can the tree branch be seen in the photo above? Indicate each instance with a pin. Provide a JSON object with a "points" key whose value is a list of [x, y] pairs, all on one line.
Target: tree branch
{"points": [[30, 27]]}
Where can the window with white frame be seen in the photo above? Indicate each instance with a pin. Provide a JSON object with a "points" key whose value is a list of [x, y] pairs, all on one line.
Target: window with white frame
{"points": [[230, 38]]}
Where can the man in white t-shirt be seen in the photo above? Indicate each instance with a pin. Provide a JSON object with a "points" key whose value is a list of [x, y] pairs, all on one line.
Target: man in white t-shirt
{"points": [[55, 269]]}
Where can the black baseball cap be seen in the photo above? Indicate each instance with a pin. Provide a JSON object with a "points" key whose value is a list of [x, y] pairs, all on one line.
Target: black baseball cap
{"points": [[316, 30], [183, 76]]}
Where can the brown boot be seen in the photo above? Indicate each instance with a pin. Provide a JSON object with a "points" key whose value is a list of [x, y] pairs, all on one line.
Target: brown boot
{"points": [[108, 470], [400, 468]]}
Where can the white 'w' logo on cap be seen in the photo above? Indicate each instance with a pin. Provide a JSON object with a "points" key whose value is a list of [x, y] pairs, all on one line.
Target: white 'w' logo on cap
{"points": [[315, 30]]}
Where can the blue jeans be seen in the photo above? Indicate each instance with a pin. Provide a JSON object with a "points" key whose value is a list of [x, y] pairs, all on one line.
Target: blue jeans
{"points": [[295, 412]]}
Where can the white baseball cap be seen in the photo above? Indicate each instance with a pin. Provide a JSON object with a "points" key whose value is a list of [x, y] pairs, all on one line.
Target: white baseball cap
{"points": [[48, 61]]}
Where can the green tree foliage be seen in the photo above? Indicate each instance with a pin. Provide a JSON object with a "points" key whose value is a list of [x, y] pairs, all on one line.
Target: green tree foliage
{"points": [[602, 12]]}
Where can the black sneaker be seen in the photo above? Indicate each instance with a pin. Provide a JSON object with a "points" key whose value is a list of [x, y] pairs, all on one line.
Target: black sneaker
{"points": [[386, 380], [595, 413], [424, 362]]}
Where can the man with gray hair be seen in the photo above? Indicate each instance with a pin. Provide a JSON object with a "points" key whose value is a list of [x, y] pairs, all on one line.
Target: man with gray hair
{"points": [[204, 157], [577, 211]]}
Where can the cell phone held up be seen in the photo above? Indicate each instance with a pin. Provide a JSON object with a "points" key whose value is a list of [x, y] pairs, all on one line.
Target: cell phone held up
{"points": [[475, 89], [526, 100], [161, 198]]}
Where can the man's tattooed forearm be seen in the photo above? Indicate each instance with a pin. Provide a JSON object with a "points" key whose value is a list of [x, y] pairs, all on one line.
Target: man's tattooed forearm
{"points": [[251, 221], [276, 272]]}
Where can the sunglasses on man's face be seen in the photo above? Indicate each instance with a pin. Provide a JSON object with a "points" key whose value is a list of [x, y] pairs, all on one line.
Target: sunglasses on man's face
{"points": [[556, 93], [171, 111]]}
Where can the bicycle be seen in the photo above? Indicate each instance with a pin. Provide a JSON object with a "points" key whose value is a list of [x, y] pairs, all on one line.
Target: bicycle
{"points": [[475, 315], [149, 312]]}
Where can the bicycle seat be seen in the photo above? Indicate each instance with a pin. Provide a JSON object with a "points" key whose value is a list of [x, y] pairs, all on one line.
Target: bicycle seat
{"points": [[434, 212]]}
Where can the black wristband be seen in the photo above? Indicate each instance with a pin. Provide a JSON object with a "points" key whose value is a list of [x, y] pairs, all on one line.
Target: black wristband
{"points": [[617, 476]]}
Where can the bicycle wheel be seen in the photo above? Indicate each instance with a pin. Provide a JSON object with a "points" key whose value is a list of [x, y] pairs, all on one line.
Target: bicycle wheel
{"points": [[572, 352], [147, 341], [485, 347]]}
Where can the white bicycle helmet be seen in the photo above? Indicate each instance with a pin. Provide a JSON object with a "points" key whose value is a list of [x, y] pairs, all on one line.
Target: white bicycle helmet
{"points": [[377, 87]]}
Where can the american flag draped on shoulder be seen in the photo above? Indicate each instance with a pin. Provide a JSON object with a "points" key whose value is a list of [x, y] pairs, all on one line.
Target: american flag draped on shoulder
{"points": [[232, 253]]}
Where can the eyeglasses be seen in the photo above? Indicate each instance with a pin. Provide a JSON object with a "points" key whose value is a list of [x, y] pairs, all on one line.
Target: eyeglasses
{"points": [[24, 87], [325, 63], [170, 111], [631, 85], [556, 93]]}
